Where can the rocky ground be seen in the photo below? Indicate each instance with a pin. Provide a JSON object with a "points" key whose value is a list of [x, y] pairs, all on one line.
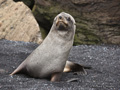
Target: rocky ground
{"points": [[104, 75]]}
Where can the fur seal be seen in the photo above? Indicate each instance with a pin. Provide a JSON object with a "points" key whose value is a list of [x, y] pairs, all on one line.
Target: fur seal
{"points": [[49, 58]]}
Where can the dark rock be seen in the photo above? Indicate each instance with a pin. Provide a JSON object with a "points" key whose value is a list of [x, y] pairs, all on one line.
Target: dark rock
{"points": [[98, 21], [29, 3], [104, 75]]}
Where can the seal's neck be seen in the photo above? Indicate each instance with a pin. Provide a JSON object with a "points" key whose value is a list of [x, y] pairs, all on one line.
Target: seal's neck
{"points": [[61, 34]]}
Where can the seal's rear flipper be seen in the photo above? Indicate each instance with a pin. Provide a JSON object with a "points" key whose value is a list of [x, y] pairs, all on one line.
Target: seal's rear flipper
{"points": [[74, 67], [19, 68], [56, 77]]}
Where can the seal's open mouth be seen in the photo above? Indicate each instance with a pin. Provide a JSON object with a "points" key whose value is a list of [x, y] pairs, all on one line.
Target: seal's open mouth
{"points": [[61, 25]]}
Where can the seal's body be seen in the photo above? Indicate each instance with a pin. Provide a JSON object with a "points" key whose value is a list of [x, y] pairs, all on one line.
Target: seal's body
{"points": [[49, 59]]}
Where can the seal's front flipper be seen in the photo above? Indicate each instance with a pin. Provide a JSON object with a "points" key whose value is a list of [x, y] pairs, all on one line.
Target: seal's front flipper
{"points": [[56, 77], [20, 68], [74, 67]]}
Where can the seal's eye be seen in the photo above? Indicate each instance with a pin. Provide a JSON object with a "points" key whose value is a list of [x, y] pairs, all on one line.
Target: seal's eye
{"points": [[60, 17], [68, 19]]}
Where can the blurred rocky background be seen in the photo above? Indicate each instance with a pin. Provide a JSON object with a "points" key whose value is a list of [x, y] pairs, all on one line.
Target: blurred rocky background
{"points": [[98, 21]]}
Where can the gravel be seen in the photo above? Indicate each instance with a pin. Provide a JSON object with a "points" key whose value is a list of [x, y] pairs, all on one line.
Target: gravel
{"points": [[104, 75]]}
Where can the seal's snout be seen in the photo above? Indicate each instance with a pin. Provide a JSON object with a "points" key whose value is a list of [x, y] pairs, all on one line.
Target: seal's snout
{"points": [[61, 21]]}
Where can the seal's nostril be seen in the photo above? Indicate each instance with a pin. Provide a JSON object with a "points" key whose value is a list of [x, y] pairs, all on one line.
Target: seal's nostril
{"points": [[60, 17]]}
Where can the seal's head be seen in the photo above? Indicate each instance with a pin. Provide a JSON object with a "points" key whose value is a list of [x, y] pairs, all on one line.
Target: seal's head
{"points": [[64, 22], [63, 26]]}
